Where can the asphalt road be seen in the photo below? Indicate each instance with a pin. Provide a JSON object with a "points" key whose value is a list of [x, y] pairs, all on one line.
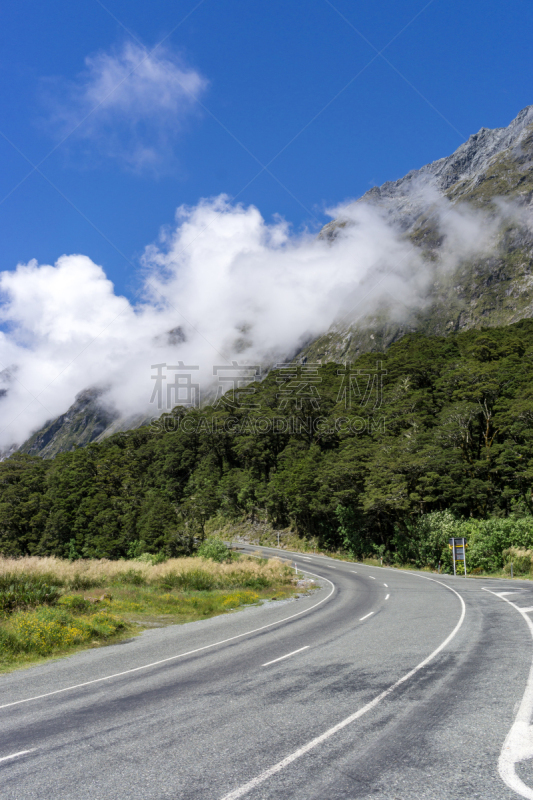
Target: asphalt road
{"points": [[382, 684]]}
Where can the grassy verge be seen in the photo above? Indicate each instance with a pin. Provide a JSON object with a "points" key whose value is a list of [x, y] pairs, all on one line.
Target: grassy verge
{"points": [[51, 607]]}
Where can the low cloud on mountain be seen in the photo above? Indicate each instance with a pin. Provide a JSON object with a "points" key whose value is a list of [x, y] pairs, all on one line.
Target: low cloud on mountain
{"points": [[220, 285]]}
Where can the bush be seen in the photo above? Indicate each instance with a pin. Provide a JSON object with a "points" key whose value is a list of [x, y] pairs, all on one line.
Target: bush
{"points": [[84, 582], [214, 549], [425, 542], [49, 629], [491, 541], [133, 576], [250, 580], [522, 565], [75, 602], [195, 579], [520, 559], [25, 591], [239, 599]]}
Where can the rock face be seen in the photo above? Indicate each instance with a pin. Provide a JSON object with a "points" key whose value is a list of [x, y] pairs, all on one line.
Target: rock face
{"points": [[87, 420], [495, 289], [84, 422], [491, 163]]}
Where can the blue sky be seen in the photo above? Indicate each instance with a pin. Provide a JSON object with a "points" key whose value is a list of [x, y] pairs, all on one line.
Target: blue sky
{"points": [[332, 97]]}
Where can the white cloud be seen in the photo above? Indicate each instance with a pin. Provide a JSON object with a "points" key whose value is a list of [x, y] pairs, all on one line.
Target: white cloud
{"points": [[129, 105], [237, 287]]}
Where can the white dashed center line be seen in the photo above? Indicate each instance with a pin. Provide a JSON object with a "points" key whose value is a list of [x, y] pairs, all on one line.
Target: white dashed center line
{"points": [[287, 656], [366, 617], [17, 755]]}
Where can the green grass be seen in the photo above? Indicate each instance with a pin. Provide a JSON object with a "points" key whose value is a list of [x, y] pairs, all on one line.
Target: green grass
{"points": [[53, 608]]}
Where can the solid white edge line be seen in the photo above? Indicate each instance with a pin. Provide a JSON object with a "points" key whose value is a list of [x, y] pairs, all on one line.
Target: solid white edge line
{"points": [[365, 617], [518, 745], [263, 776], [387, 597], [180, 655], [17, 755], [287, 656]]}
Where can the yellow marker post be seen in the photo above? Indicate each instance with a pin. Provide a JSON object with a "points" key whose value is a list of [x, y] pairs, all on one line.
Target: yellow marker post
{"points": [[459, 552]]}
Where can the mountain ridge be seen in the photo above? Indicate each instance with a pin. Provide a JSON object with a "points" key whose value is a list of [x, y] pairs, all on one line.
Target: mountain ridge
{"points": [[487, 291]]}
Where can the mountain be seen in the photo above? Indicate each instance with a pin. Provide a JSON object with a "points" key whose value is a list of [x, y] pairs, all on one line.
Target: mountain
{"points": [[483, 292], [487, 291], [83, 423], [87, 420]]}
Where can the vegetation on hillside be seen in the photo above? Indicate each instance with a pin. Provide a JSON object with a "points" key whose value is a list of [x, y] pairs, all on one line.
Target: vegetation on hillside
{"points": [[327, 452]]}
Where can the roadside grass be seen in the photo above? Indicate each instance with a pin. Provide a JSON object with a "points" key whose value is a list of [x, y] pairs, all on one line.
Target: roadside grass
{"points": [[51, 607]]}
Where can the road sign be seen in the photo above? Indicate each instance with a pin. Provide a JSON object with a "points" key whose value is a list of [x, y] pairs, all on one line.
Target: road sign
{"points": [[458, 546]]}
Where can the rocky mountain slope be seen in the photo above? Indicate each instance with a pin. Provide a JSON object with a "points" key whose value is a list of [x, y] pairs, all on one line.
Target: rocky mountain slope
{"points": [[83, 423], [87, 420], [495, 289]]}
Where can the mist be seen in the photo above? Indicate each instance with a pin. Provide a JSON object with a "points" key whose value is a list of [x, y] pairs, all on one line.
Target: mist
{"points": [[220, 285]]}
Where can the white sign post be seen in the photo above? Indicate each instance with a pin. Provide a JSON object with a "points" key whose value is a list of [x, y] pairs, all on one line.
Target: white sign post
{"points": [[458, 548]]}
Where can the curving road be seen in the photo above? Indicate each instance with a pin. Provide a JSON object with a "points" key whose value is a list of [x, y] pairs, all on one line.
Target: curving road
{"points": [[383, 684]]}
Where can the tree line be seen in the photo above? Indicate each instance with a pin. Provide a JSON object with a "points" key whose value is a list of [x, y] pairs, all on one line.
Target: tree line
{"points": [[380, 456]]}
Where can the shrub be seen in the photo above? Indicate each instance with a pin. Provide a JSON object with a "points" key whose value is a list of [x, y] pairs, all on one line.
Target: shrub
{"points": [[425, 541], [520, 559], [195, 579], [134, 576], [75, 602], [83, 582], [522, 565], [24, 591], [214, 549], [239, 599], [49, 629]]}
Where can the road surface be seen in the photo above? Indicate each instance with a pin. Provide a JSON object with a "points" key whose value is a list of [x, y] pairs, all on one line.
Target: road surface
{"points": [[382, 684]]}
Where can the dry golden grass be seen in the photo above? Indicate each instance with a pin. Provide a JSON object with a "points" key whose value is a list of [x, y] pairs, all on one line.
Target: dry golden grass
{"points": [[136, 594], [518, 552], [93, 572]]}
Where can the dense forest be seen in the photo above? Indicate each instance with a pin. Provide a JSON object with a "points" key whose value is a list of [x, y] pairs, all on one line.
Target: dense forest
{"points": [[388, 455]]}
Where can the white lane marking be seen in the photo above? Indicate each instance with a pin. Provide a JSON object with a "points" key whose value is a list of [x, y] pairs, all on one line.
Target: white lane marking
{"points": [[17, 755], [329, 565], [518, 745], [180, 655], [268, 663], [354, 572], [371, 578], [305, 558], [387, 597], [263, 776], [526, 610], [501, 594], [366, 617], [385, 585]]}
